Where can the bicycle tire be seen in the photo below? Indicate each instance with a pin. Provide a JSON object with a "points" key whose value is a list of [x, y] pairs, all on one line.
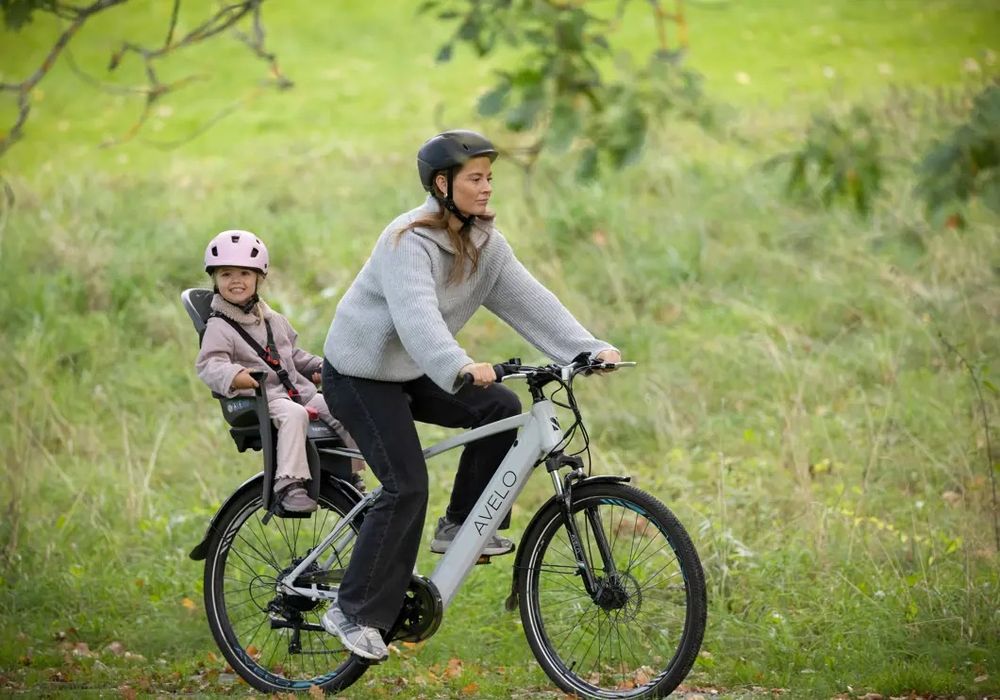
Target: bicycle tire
{"points": [[244, 559], [651, 625]]}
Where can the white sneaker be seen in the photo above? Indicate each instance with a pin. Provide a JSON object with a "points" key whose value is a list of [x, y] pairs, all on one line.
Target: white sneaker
{"points": [[366, 642], [445, 533]]}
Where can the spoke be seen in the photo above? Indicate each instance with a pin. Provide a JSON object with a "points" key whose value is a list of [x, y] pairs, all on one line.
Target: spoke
{"points": [[657, 573], [562, 602], [264, 543], [574, 626], [261, 536], [631, 648], [634, 563], [620, 658], [272, 562], [583, 634], [249, 570], [662, 547]]}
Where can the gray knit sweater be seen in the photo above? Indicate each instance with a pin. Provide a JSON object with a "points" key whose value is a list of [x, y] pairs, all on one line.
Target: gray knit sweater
{"points": [[399, 318]]}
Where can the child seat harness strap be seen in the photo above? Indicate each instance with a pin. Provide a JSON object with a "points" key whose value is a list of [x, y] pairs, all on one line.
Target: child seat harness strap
{"points": [[269, 354]]}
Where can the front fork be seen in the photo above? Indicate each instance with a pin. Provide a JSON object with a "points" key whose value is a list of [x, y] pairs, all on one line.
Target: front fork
{"points": [[564, 496]]}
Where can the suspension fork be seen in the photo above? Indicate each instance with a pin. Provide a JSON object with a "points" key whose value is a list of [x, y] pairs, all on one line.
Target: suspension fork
{"points": [[564, 494]]}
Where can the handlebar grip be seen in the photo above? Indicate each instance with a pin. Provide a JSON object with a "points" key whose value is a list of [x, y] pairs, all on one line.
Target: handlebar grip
{"points": [[499, 370]]}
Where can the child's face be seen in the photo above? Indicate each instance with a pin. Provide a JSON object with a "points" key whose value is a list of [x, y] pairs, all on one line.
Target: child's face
{"points": [[236, 284]]}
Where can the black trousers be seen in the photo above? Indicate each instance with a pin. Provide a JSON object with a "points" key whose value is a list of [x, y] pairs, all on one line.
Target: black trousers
{"points": [[380, 416]]}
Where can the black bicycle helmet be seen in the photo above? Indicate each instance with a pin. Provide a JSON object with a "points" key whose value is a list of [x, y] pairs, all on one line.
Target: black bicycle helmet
{"points": [[449, 149]]}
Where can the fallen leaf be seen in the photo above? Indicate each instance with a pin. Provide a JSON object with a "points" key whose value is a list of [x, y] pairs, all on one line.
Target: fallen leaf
{"points": [[81, 649], [316, 693], [116, 648], [127, 692], [454, 668], [470, 689], [980, 679], [189, 604]]}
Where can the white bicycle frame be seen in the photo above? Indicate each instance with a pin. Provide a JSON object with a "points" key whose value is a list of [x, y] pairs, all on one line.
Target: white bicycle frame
{"points": [[538, 433]]}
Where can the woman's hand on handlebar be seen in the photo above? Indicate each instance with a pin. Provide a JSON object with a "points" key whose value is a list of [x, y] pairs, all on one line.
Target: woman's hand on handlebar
{"points": [[610, 355], [482, 373]]}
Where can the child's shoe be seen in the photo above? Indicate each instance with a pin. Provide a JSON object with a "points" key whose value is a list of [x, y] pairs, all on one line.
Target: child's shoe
{"points": [[293, 496]]}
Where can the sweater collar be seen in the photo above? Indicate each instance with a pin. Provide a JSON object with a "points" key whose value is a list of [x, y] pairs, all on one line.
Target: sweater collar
{"points": [[479, 232], [237, 314]]}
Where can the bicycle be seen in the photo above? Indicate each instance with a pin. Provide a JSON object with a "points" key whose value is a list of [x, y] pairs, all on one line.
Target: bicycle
{"points": [[609, 586]]}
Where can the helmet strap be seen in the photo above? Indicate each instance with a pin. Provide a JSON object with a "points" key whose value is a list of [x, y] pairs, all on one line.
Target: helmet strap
{"points": [[449, 203], [251, 303]]}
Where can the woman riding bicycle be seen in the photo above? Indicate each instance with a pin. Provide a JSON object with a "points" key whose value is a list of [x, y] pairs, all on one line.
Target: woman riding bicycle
{"points": [[391, 358]]}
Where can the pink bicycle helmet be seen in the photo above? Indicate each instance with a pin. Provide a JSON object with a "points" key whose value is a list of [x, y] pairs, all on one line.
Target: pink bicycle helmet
{"points": [[236, 249]]}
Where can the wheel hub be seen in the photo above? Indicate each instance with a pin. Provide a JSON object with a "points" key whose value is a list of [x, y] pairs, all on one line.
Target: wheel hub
{"points": [[617, 592]]}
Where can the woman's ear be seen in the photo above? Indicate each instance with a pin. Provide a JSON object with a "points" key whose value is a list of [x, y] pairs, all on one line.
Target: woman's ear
{"points": [[441, 182]]}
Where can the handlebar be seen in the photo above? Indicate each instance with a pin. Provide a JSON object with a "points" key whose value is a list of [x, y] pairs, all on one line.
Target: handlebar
{"points": [[513, 369]]}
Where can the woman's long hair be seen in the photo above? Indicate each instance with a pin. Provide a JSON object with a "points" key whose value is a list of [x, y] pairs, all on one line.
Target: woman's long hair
{"points": [[460, 241]]}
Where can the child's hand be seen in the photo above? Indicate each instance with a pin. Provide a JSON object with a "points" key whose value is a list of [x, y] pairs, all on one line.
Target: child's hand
{"points": [[317, 378], [243, 380]]}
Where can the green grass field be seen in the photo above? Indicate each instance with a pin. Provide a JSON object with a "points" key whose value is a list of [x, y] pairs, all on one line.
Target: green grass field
{"points": [[795, 404]]}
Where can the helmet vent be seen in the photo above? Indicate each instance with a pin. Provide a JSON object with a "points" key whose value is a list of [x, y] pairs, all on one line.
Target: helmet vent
{"points": [[253, 253], [215, 252], [236, 238]]}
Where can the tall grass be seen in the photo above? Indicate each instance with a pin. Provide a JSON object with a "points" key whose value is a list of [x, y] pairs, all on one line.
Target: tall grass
{"points": [[794, 406]]}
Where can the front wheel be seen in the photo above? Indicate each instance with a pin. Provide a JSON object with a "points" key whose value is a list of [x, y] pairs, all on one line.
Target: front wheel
{"points": [[637, 633], [275, 640]]}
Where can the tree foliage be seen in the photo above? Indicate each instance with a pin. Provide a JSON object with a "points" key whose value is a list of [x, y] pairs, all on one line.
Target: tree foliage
{"points": [[839, 160], [966, 163], [557, 92]]}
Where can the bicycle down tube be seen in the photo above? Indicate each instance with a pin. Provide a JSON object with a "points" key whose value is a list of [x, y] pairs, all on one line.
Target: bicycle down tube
{"points": [[539, 433]]}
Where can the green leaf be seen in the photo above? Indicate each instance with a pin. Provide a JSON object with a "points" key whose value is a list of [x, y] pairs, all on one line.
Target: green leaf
{"points": [[563, 127], [17, 13], [493, 102], [444, 53]]}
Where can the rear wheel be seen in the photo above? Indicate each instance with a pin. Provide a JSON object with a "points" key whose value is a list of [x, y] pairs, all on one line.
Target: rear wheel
{"points": [[274, 640], [638, 634]]}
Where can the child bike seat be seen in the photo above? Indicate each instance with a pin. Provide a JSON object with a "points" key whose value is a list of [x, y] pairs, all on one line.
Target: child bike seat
{"points": [[239, 411]]}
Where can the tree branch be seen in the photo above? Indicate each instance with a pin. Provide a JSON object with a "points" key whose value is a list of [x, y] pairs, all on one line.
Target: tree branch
{"points": [[225, 17], [24, 88]]}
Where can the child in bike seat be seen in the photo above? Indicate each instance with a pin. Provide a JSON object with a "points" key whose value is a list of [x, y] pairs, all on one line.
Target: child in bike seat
{"points": [[245, 334]]}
